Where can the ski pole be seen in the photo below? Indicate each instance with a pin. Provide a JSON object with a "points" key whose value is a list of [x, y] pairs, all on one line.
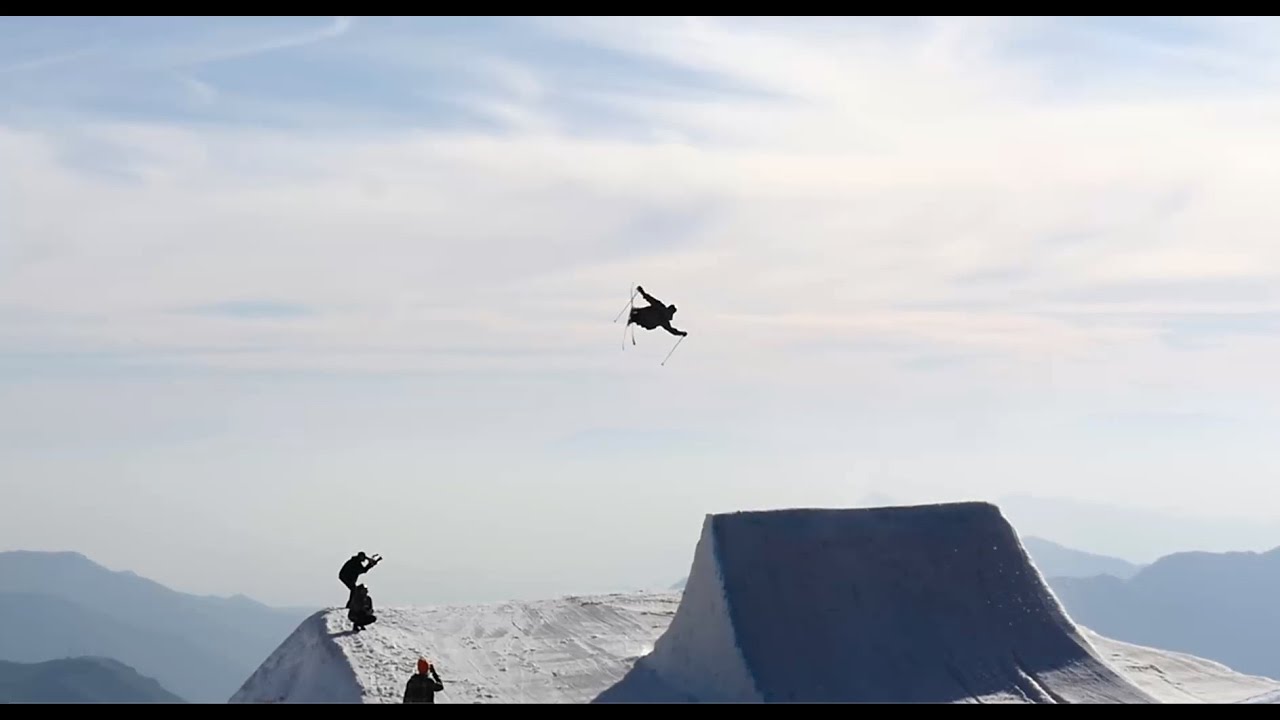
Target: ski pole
{"points": [[673, 349], [630, 302]]}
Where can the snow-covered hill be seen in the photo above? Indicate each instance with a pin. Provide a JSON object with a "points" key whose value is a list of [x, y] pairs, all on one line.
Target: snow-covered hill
{"points": [[934, 604], [565, 650]]}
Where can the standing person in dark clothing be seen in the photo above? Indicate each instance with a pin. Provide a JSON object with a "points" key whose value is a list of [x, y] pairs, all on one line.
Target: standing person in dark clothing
{"points": [[423, 686], [355, 567]]}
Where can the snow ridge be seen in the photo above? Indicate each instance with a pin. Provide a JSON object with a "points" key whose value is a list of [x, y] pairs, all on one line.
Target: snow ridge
{"points": [[309, 664]]}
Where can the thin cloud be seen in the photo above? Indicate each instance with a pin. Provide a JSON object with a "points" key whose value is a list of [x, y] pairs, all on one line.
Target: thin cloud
{"points": [[337, 28], [921, 167], [253, 309], [45, 61], [922, 247], [201, 93]]}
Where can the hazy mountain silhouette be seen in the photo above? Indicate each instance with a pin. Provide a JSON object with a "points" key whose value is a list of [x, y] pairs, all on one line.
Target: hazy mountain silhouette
{"points": [[79, 680], [52, 627], [1219, 606], [1055, 560], [1137, 534], [200, 647]]}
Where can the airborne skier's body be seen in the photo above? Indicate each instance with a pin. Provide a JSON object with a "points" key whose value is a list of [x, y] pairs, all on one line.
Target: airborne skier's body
{"points": [[654, 315]]}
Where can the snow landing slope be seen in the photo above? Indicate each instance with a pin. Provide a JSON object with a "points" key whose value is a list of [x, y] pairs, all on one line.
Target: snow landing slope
{"points": [[1271, 698], [1176, 677], [929, 604]]}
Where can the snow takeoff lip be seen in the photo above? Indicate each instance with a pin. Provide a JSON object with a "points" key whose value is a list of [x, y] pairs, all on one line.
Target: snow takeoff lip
{"points": [[926, 604]]}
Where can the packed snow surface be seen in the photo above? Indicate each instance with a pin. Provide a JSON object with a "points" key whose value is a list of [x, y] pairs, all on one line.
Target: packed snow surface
{"points": [[1180, 678], [565, 650], [932, 604], [926, 604], [562, 663], [1271, 698]]}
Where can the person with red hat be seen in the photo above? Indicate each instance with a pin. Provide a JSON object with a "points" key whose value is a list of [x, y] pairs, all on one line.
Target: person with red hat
{"points": [[423, 686]]}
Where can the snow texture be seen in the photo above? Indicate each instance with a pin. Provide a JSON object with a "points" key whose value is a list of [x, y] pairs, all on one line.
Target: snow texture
{"points": [[564, 650], [1174, 677], [1271, 698], [933, 603], [929, 604]]}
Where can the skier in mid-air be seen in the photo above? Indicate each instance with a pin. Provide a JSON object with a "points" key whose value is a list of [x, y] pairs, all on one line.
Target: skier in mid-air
{"points": [[654, 315]]}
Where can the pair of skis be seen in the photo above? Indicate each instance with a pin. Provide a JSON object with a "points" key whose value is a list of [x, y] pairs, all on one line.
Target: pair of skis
{"points": [[631, 303]]}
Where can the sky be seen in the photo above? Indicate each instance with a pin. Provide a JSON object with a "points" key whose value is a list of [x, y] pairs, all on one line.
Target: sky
{"points": [[277, 290]]}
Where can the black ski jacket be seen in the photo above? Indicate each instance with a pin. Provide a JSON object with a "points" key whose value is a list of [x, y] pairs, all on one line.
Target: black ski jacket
{"points": [[353, 569], [422, 689]]}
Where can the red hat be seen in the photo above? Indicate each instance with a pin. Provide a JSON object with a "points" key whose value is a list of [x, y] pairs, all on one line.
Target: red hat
{"points": [[423, 666]]}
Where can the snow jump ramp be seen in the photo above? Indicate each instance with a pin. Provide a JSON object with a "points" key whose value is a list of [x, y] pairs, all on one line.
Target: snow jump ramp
{"points": [[922, 604]]}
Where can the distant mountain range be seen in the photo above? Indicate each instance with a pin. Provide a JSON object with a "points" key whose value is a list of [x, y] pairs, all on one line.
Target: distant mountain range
{"points": [[62, 604], [79, 680], [1135, 533], [1219, 606], [1055, 560]]}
